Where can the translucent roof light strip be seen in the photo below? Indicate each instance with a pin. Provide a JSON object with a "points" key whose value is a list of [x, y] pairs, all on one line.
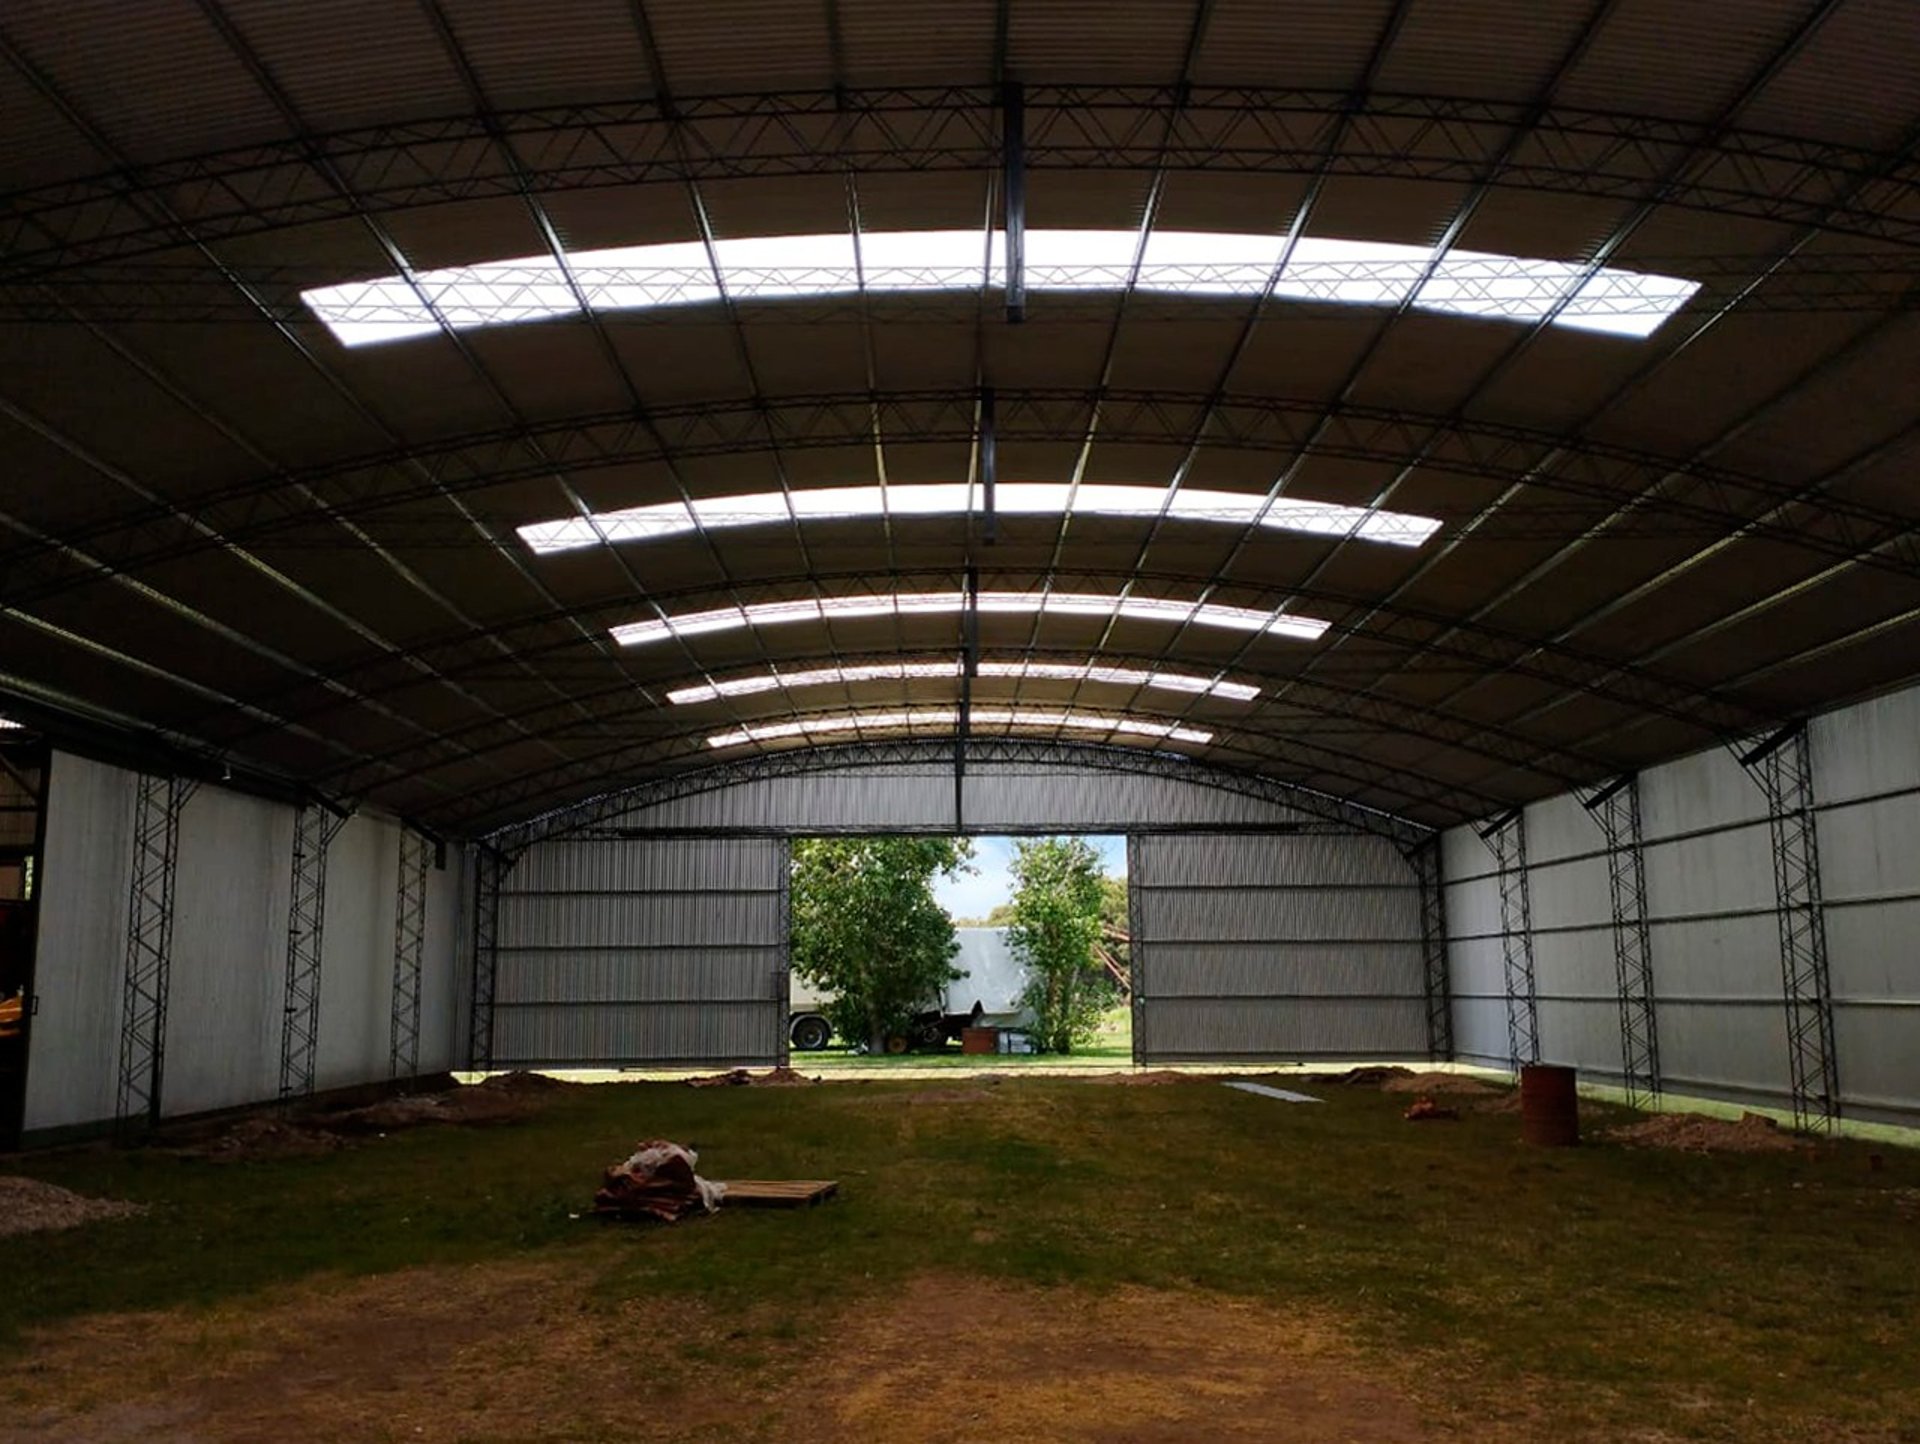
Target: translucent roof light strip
{"points": [[1011, 498], [910, 604], [945, 719], [1183, 682], [1197, 263]]}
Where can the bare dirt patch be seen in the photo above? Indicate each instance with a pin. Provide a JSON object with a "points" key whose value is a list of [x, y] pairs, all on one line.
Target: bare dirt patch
{"points": [[515, 1352], [29, 1206], [1455, 1083], [1154, 1078], [1692, 1133], [1138, 1364]]}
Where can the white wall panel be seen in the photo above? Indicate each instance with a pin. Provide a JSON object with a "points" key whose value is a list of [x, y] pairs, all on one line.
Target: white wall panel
{"points": [[1275, 947], [1013, 797], [229, 946], [231, 898], [356, 967], [81, 964], [1715, 937], [642, 950], [1870, 748]]}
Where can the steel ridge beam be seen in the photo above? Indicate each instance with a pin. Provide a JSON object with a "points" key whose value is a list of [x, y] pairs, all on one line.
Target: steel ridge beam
{"points": [[599, 808], [1604, 480], [260, 187]]}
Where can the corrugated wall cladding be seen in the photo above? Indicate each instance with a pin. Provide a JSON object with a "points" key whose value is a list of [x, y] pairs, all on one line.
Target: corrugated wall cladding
{"points": [[231, 900], [998, 796], [1719, 1009], [1275, 948], [629, 951]]}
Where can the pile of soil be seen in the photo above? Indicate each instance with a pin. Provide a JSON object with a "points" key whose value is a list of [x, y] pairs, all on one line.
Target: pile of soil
{"points": [[504, 1098], [746, 1078], [1154, 1079], [263, 1135], [1692, 1133], [29, 1206], [1458, 1083], [1372, 1076], [1507, 1102]]}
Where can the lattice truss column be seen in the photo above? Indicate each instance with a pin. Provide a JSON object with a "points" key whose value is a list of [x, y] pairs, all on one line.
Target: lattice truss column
{"points": [[490, 868], [409, 949], [1782, 765], [1616, 807], [314, 828], [1433, 945], [1506, 839], [143, 1016]]}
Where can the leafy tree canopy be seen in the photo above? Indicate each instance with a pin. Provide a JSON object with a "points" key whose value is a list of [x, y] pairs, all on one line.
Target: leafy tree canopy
{"points": [[867, 929], [1056, 911]]}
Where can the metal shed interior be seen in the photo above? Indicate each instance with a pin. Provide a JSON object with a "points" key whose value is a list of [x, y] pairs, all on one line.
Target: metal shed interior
{"points": [[480, 476]]}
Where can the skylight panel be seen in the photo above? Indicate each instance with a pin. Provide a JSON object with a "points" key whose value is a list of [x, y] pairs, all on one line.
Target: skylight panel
{"points": [[1626, 303], [1080, 260], [635, 278], [1321, 269], [768, 267], [945, 719], [1208, 263], [1016, 498], [797, 681], [809, 609]]}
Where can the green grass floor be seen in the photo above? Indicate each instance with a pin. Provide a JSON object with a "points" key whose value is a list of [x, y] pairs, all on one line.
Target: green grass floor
{"points": [[1617, 1279]]}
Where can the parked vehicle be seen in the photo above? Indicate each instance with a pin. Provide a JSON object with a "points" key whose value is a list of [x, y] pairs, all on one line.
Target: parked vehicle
{"points": [[986, 994]]}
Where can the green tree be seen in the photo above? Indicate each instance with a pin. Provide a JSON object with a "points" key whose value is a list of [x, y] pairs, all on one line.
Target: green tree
{"points": [[867, 930], [1054, 923]]}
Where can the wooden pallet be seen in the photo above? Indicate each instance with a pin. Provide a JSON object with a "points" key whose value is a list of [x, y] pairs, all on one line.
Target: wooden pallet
{"points": [[777, 1192]]}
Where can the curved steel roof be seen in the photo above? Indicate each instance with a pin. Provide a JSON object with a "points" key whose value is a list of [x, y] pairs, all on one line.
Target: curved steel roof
{"points": [[230, 532]]}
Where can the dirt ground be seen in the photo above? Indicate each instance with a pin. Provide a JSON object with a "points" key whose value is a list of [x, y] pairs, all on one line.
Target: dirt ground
{"points": [[516, 1353]]}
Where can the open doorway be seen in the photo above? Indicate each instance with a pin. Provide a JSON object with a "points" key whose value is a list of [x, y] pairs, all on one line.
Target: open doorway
{"points": [[922, 949], [23, 772]]}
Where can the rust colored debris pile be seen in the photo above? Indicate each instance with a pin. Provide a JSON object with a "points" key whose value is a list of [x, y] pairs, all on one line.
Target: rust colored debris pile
{"points": [[657, 1181]]}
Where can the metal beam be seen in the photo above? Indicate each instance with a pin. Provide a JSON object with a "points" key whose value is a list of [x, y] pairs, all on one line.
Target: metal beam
{"points": [[489, 867], [1506, 839], [1593, 481], [1426, 861], [1235, 130], [1616, 808], [314, 828], [158, 803], [1782, 766], [1013, 123], [409, 949]]}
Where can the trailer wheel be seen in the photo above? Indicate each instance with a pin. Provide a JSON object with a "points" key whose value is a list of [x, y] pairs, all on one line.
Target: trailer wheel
{"points": [[927, 1033], [809, 1032]]}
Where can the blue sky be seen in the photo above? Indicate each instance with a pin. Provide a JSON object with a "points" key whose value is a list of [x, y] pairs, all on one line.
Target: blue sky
{"points": [[973, 895]]}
